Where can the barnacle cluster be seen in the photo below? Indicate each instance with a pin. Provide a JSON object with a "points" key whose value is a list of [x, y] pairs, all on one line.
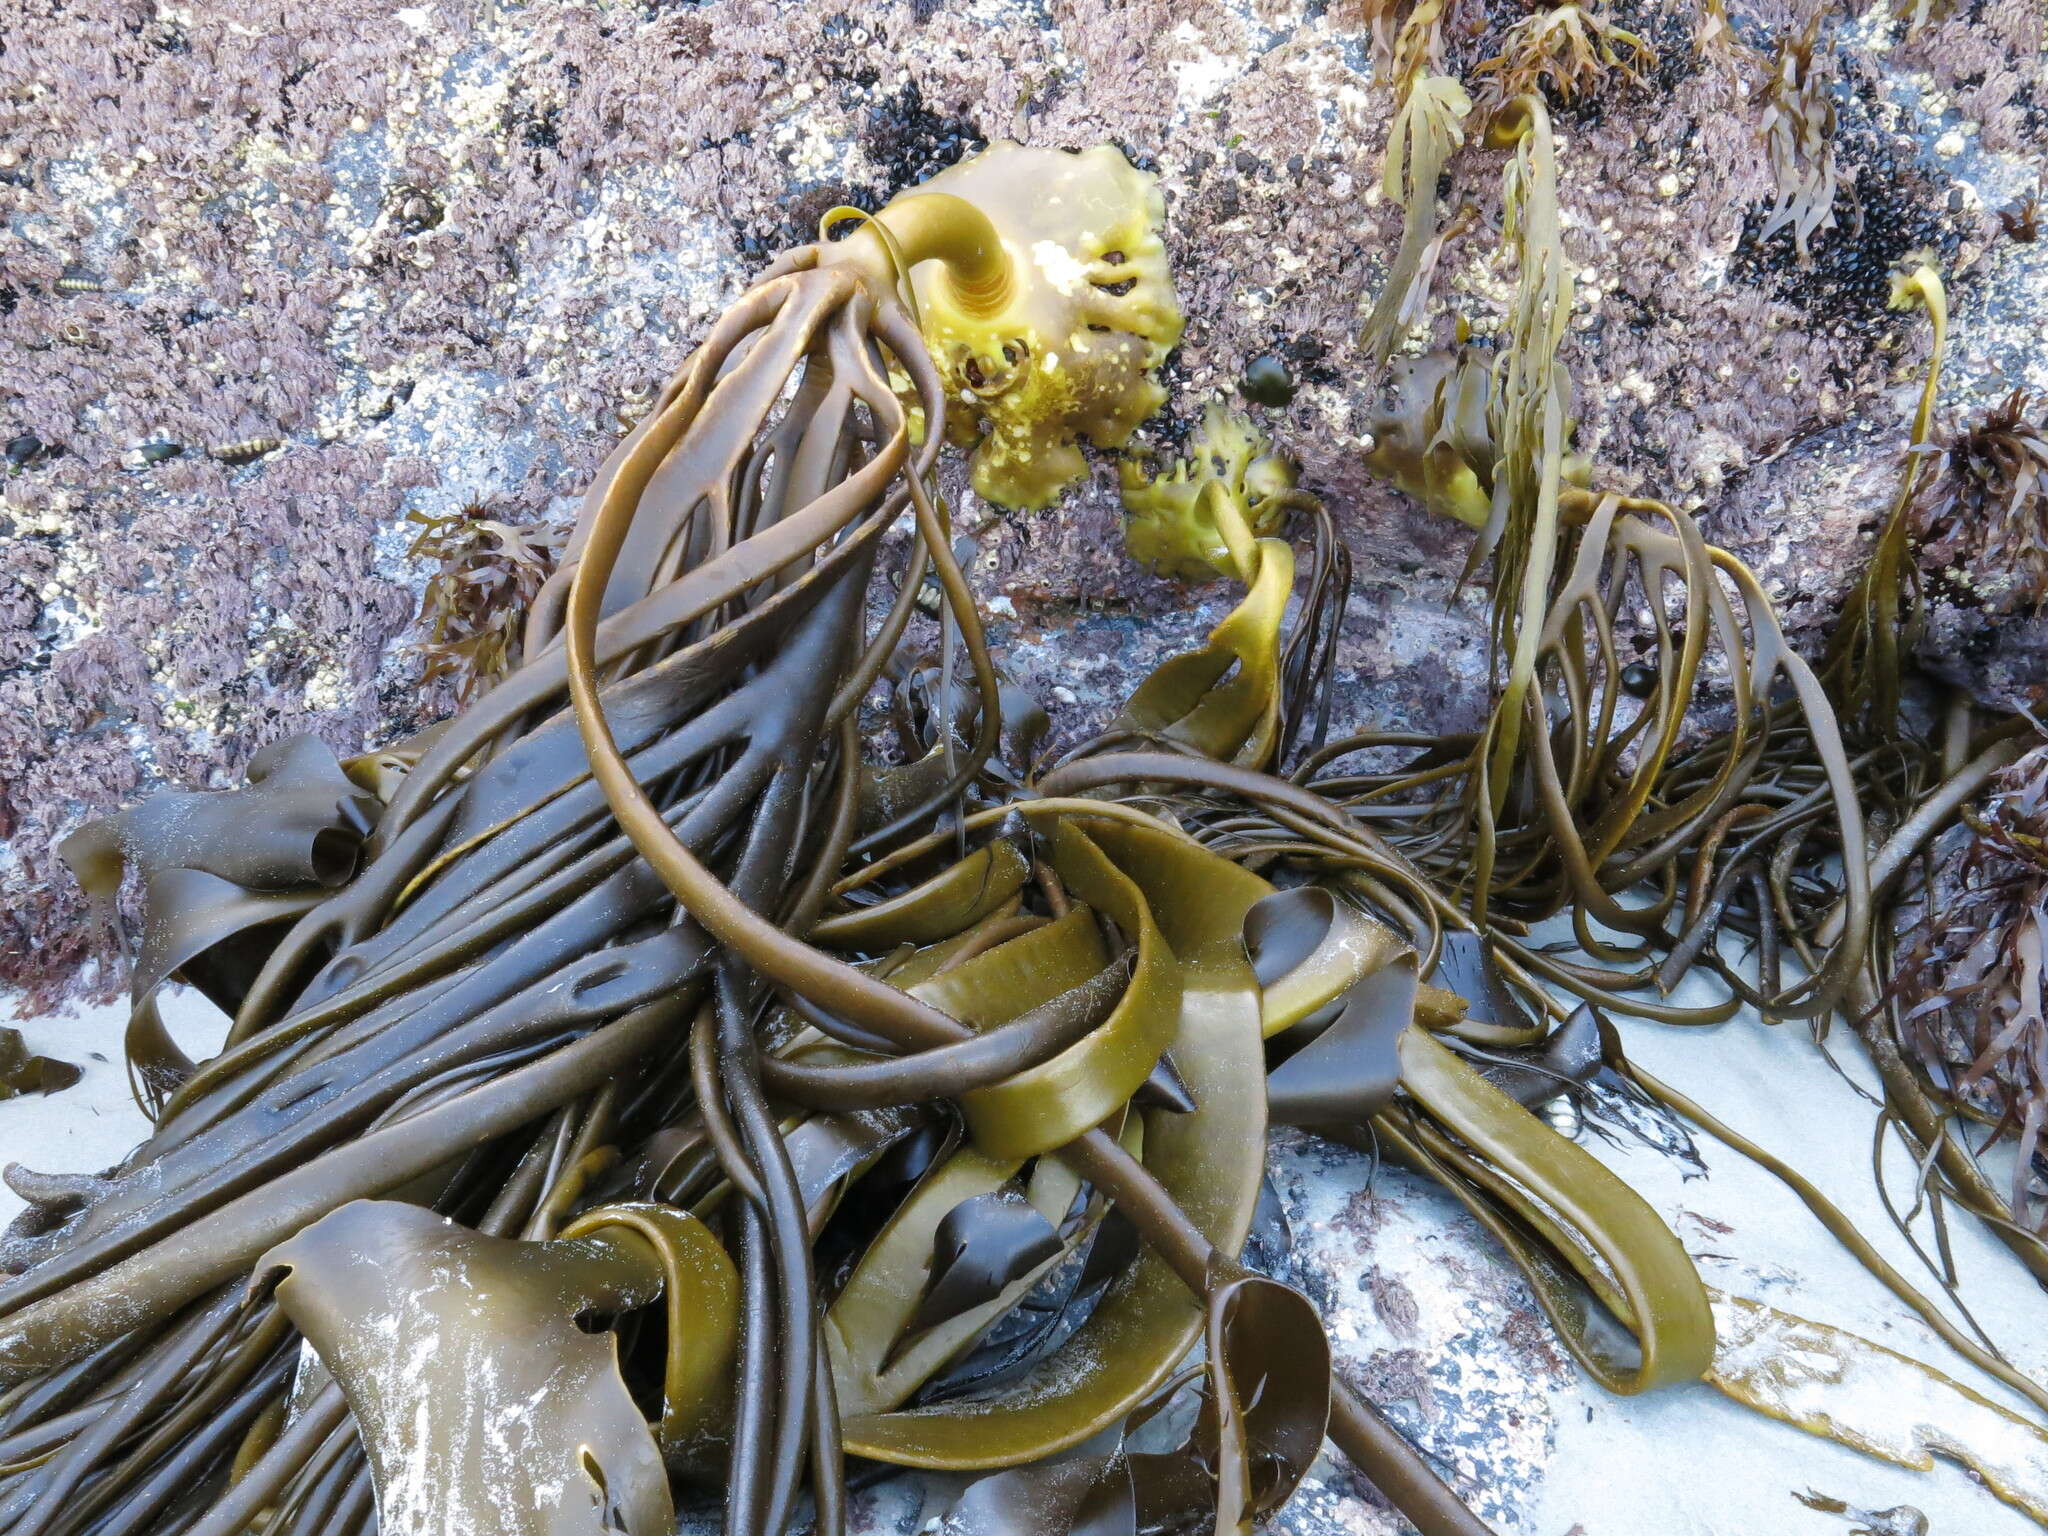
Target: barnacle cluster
{"points": [[632, 1090]]}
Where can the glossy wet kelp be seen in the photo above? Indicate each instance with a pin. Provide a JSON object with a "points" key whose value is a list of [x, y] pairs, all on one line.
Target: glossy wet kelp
{"points": [[637, 1096]]}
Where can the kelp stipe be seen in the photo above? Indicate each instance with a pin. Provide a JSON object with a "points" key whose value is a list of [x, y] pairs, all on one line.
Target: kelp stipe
{"points": [[1598, 794], [798, 1107], [1246, 696], [1880, 619], [555, 991], [501, 962]]}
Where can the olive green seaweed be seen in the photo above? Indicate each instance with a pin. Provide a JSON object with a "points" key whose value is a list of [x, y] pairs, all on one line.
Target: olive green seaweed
{"points": [[635, 1095]]}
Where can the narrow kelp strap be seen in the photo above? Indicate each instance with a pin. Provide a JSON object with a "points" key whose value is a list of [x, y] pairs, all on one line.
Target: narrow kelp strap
{"points": [[1595, 1253], [1569, 1223]]}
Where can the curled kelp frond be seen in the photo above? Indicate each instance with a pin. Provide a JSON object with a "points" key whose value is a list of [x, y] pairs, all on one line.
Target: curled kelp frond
{"points": [[1435, 442], [932, 1109], [1798, 126], [619, 940], [1252, 691], [1975, 978], [410, 1312], [1224, 700], [1567, 47], [1983, 511], [1433, 436], [1169, 524], [486, 574], [1252, 1438], [223, 874]]}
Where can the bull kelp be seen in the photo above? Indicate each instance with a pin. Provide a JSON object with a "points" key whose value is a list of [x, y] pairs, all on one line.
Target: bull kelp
{"points": [[637, 1095]]}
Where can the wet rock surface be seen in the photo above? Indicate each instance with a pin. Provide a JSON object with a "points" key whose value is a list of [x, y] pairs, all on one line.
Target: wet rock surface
{"points": [[369, 261]]}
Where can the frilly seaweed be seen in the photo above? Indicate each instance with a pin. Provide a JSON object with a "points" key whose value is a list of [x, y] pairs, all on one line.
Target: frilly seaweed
{"points": [[1171, 522], [1798, 125], [1568, 48], [1072, 349]]}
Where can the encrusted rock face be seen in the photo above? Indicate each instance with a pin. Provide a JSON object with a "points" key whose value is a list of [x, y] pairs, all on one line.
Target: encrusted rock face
{"points": [[438, 259]]}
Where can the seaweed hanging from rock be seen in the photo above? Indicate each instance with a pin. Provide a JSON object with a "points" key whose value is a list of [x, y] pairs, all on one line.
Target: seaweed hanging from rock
{"points": [[1798, 126], [487, 572], [1974, 979], [1565, 50], [1981, 516]]}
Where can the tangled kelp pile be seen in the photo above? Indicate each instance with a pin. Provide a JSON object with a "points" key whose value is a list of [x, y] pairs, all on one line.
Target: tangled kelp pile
{"points": [[631, 1088]]}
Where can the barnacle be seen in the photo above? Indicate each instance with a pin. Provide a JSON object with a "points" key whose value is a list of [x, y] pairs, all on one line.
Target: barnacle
{"points": [[1983, 512], [1568, 46], [1798, 126], [1059, 339], [487, 573], [1170, 524]]}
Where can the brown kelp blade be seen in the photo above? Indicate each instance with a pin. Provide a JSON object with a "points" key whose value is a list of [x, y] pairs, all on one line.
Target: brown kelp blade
{"points": [[481, 1402]]}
